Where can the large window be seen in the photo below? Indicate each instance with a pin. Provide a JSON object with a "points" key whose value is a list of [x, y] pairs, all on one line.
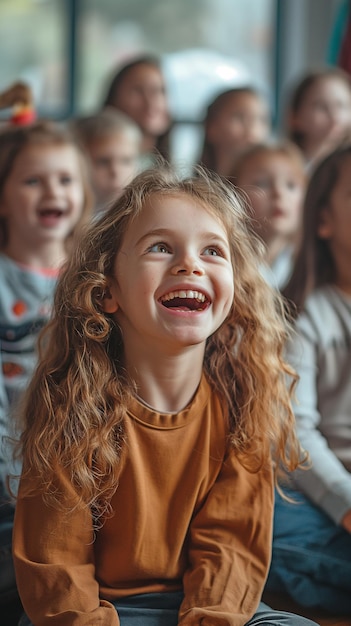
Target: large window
{"points": [[69, 49], [204, 43], [33, 47], [211, 42], [206, 46]]}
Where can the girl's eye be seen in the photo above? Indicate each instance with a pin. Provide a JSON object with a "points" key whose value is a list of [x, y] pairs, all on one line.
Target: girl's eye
{"points": [[102, 162], [66, 180], [320, 106], [31, 181], [159, 247], [213, 251], [262, 184]]}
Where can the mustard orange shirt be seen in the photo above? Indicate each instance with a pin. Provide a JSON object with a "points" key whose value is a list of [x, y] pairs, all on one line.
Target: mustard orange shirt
{"points": [[186, 516]]}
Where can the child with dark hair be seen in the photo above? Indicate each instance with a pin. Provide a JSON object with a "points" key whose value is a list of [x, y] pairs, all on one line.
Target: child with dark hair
{"points": [[235, 120], [312, 536], [138, 89], [319, 113]]}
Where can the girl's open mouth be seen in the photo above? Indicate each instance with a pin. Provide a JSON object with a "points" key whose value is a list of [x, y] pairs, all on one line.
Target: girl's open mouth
{"points": [[185, 300], [50, 217]]}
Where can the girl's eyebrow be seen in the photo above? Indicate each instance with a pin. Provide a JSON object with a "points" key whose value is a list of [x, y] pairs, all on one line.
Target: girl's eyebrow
{"points": [[162, 232], [156, 232]]}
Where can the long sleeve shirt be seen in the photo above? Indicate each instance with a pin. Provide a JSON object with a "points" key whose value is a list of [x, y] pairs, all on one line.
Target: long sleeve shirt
{"points": [[186, 516], [321, 354]]}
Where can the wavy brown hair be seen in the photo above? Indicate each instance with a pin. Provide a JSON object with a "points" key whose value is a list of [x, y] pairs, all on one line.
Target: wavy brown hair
{"points": [[77, 400]]}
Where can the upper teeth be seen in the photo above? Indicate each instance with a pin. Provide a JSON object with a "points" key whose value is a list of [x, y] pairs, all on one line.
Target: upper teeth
{"points": [[185, 294]]}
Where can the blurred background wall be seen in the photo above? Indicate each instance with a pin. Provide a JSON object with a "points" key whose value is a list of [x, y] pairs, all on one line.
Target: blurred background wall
{"points": [[68, 49]]}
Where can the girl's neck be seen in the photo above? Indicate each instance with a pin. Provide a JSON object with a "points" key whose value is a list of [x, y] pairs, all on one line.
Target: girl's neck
{"points": [[224, 161], [168, 384], [46, 256], [274, 247], [314, 150]]}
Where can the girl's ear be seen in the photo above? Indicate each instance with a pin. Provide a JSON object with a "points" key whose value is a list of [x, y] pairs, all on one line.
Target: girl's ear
{"points": [[325, 225], [109, 301]]}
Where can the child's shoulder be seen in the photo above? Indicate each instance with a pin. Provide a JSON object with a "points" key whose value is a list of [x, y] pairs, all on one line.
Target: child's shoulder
{"points": [[325, 300], [23, 292], [10, 271], [326, 312]]}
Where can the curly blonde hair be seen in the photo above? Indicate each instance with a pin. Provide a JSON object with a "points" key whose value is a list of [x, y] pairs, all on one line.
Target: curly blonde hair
{"points": [[77, 400]]}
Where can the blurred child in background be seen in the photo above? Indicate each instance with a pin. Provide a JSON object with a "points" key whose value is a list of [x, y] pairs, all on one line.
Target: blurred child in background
{"points": [[235, 120], [273, 179], [312, 536], [112, 142], [44, 199], [138, 89], [319, 113]]}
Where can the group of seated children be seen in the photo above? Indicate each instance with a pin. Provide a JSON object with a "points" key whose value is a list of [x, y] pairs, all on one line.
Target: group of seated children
{"points": [[175, 360]]}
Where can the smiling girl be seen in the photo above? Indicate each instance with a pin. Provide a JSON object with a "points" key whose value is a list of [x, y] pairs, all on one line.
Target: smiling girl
{"points": [[274, 182], [138, 89], [235, 120], [319, 113], [44, 199], [147, 490]]}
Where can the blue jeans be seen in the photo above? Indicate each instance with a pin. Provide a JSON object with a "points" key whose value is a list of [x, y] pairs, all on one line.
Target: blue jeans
{"points": [[311, 558], [7, 573], [161, 609]]}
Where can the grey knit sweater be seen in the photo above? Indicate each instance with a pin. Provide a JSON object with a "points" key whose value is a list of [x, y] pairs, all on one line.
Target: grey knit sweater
{"points": [[321, 354]]}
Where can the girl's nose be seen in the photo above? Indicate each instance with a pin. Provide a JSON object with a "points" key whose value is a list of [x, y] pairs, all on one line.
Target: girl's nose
{"points": [[52, 188], [187, 266], [114, 171], [276, 189]]}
